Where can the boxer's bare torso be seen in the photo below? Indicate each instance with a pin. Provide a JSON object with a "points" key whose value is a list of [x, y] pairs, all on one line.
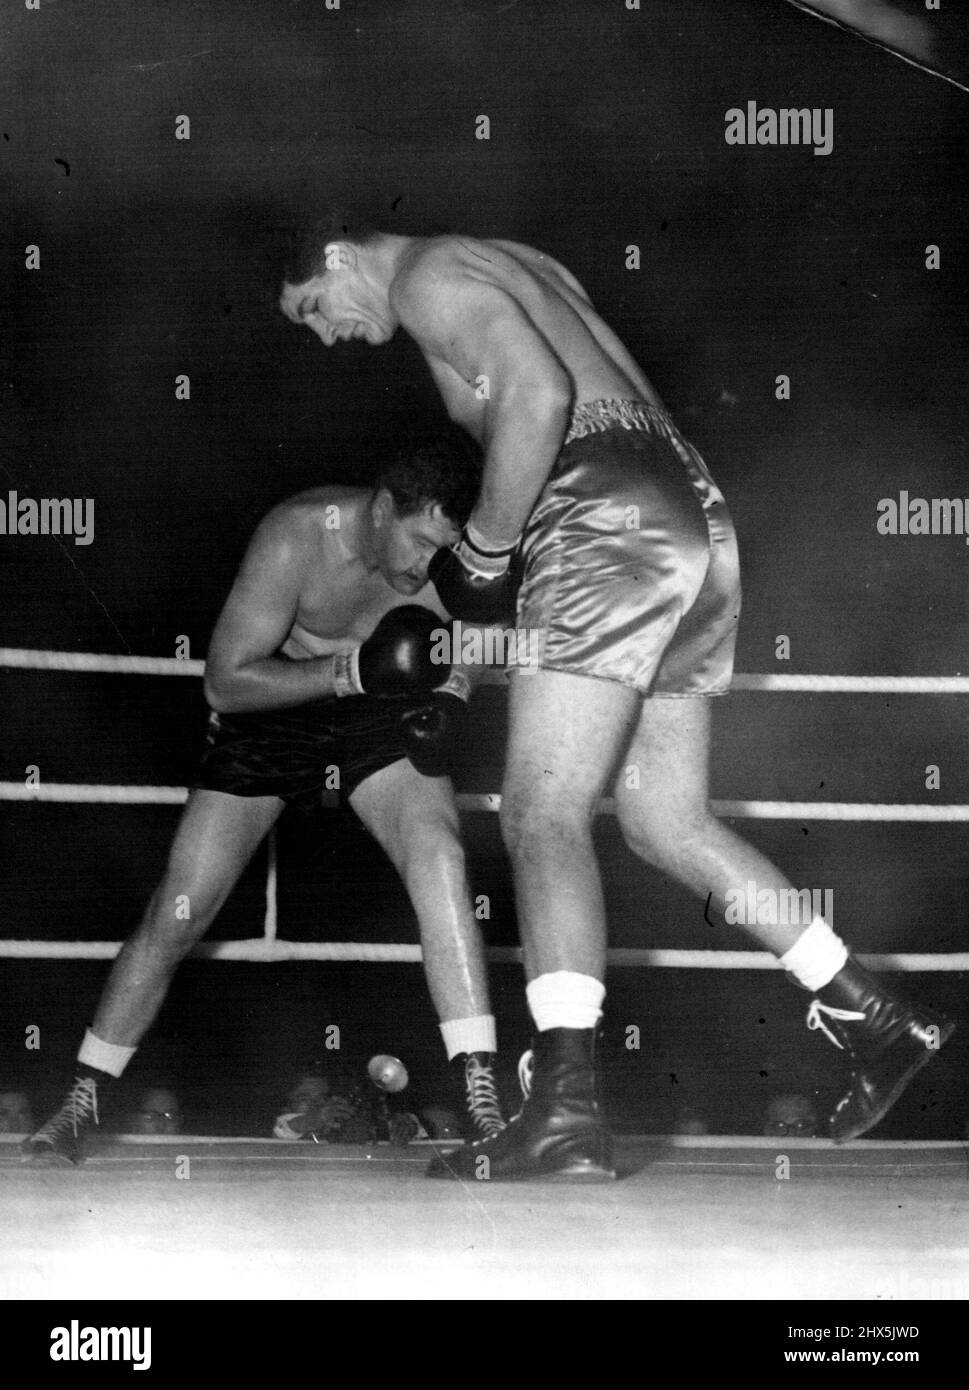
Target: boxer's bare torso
{"points": [[509, 335], [550, 299], [341, 599], [315, 580]]}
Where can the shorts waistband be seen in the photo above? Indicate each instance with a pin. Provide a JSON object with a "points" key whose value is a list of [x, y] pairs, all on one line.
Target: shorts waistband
{"points": [[595, 417]]}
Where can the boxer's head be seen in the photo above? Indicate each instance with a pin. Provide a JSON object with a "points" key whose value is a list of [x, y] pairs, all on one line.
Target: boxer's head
{"points": [[337, 279], [423, 497]]}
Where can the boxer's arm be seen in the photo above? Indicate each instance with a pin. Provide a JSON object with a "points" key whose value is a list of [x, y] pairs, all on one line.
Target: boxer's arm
{"points": [[242, 672], [484, 336]]}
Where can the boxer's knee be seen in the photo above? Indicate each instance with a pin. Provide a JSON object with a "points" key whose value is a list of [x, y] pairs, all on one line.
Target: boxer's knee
{"points": [[660, 834], [436, 850], [428, 843], [181, 911]]}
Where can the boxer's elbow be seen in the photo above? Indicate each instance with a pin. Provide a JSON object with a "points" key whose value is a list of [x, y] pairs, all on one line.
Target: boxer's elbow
{"points": [[536, 408], [548, 395], [222, 691]]}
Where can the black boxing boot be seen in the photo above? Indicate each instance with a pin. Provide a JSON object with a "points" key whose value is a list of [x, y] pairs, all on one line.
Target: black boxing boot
{"points": [[63, 1139], [559, 1134], [887, 1040]]}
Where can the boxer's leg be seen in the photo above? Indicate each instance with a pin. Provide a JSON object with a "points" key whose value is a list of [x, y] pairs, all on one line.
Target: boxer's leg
{"points": [[216, 837], [668, 822], [565, 733], [666, 819], [415, 819]]}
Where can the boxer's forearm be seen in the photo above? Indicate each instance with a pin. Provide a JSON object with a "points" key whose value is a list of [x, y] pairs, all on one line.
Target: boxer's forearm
{"points": [[523, 436], [271, 683]]}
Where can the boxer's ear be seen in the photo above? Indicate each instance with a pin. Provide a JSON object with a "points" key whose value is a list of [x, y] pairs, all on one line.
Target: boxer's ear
{"points": [[437, 514], [382, 507]]}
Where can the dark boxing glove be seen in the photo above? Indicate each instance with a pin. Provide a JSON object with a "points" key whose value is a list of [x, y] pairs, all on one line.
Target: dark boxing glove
{"points": [[400, 657], [474, 581], [432, 732]]}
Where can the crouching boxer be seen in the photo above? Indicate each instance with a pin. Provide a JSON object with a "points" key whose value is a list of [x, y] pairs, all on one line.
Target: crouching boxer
{"points": [[322, 675], [630, 596]]}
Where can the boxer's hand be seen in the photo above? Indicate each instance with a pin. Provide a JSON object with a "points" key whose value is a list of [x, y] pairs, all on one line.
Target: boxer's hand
{"points": [[395, 659], [432, 732], [474, 582]]}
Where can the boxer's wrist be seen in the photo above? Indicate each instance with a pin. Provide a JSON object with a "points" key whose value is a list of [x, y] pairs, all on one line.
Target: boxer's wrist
{"points": [[487, 545], [483, 558], [346, 674]]}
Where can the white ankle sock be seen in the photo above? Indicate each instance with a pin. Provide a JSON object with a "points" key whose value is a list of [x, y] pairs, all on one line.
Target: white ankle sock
{"points": [[104, 1056], [475, 1034], [816, 956], [565, 999]]}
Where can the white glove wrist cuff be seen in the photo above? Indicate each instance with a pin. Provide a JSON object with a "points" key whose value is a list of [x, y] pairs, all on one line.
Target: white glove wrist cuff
{"points": [[346, 674], [487, 547], [456, 684]]}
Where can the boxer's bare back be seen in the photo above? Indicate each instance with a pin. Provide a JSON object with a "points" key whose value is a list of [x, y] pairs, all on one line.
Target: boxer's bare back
{"points": [[551, 303]]}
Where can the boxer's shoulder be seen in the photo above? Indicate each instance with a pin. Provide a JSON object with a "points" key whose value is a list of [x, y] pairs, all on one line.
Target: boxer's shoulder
{"points": [[438, 266], [328, 508], [320, 516]]}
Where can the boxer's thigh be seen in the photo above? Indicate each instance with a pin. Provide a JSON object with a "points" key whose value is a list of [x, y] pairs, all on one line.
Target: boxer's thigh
{"points": [[565, 733], [406, 812], [216, 837], [670, 752]]}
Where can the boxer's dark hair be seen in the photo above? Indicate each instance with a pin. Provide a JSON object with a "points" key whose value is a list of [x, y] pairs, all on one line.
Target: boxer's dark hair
{"points": [[305, 255], [443, 468]]}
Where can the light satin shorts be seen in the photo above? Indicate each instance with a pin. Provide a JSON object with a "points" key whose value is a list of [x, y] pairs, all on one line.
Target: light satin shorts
{"points": [[630, 565]]}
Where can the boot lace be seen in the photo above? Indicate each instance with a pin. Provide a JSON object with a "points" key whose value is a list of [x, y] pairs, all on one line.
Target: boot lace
{"points": [[80, 1107], [482, 1097], [815, 1020]]}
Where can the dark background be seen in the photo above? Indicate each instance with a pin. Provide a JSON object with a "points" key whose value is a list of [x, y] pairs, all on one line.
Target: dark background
{"points": [[160, 257]]}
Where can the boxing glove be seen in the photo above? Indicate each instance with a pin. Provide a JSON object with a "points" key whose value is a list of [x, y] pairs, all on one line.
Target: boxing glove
{"points": [[433, 732], [475, 582], [397, 657]]}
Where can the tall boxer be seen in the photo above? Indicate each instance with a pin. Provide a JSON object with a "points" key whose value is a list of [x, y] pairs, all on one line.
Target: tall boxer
{"points": [[631, 587]]}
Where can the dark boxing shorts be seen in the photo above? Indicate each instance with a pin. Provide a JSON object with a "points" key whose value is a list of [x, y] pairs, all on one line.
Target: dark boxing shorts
{"points": [[630, 565], [306, 755]]}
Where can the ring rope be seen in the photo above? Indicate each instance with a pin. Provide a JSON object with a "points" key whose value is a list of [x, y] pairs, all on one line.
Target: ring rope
{"points": [[270, 948], [258, 949], [29, 659], [104, 794]]}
